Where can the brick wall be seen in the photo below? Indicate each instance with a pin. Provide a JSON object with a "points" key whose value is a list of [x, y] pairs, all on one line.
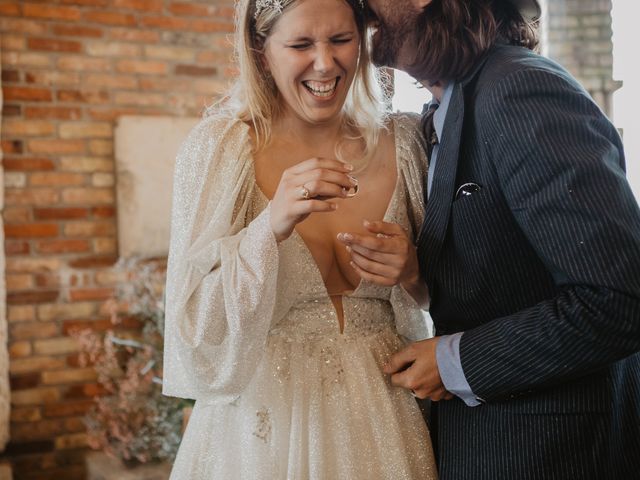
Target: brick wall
{"points": [[70, 68], [578, 35]]}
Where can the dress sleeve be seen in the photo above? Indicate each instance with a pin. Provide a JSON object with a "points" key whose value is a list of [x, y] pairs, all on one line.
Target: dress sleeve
{"points": [[222, 272], [411, 320]]}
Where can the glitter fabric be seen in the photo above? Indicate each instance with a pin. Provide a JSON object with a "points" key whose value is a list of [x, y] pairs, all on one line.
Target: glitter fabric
{"points": [[253, 336]]}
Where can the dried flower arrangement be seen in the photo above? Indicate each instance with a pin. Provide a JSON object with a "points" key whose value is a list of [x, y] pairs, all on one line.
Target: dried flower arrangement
{"points": [[133, 421]]}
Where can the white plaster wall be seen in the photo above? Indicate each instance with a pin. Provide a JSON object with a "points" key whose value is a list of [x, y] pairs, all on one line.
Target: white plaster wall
{"points": [[145, 150]]}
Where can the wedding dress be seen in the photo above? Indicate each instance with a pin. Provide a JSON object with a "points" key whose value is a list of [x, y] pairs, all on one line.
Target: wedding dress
{"points": [[253, 337]]}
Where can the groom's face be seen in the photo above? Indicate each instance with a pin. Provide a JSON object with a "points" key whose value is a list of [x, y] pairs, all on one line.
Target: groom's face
{"points": [[396, 22]]}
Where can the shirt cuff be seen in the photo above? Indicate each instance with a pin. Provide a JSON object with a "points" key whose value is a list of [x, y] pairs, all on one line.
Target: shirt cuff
{"points": [[450, 367]]}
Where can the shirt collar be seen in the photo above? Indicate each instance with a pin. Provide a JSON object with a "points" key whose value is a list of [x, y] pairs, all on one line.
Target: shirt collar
{"points": [[441, 113]]}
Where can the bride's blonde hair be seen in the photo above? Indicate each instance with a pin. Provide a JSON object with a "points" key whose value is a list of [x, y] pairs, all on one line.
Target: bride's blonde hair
{"points": [[255, 99]]}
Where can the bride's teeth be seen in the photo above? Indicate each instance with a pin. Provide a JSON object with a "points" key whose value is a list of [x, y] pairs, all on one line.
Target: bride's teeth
{"points": [[321, 89]]}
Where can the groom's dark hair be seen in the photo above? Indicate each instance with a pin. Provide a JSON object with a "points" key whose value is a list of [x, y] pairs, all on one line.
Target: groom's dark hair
{"points": [[452, 35]]}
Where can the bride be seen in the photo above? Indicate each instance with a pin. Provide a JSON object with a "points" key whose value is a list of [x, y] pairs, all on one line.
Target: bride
{"points": [[275, 326]]}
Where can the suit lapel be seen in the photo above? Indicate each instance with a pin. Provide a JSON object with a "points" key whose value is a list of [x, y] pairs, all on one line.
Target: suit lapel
{"points": [[438, 206]]}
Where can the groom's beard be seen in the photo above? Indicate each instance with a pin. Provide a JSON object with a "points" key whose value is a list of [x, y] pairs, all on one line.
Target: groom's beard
{"points": [[388, 42]]}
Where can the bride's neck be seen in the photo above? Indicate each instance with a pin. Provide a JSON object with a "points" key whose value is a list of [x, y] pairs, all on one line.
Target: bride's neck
{"points": [[312, 135]]}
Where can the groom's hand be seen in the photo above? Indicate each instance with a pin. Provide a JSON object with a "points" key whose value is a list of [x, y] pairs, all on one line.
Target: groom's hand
{"points": [[416, 368]]}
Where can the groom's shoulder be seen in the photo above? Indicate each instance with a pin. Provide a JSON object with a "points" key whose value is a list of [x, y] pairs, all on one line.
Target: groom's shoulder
{"points": [[506, 62]]}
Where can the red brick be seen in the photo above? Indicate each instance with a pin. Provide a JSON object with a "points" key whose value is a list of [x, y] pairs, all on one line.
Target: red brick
{"points": [[19, 281], [195, 70], [77, 31], [20, 349], [129, 35], [109, 80], [88, 196], [21, 25], [89, 390], [9, 10], [67, 409], [24, 128], [101, 148], [53, 147], [63, 246], [144, 5], [31, 230], [11, 146], [211, 26], [26, 414], [90, 229], [11, 111], [45, 280], [86, 96], [103, 212], [87, 294], [16, 248], [167, 23], [83, 63], [31, 196], [28, 164], [9, 76], [53, 78], [27, 94], [11, 41], [32, 297], [22, 382], [142, 67], [192, 9], [52, 12], [17, 214], [93, 262], [53, 45], [112, 114], [58, 179], [141, 99], [110, 18], [60, 213], [59, 113], [92, 3], [44, 429]]}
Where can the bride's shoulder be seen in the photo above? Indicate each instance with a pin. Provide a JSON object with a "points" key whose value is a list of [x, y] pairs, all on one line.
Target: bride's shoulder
{"points": [[407, 131], [405, 123]]}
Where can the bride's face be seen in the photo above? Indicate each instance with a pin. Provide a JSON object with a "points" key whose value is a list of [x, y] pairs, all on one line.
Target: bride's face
{"points": [[312, 55]]}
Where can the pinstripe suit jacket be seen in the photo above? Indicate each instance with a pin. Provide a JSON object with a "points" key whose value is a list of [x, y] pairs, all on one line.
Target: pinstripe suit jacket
{"points": [[541, 270]]}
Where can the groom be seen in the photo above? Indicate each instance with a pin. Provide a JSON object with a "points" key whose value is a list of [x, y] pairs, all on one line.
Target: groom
{"points": [[530, 249]]}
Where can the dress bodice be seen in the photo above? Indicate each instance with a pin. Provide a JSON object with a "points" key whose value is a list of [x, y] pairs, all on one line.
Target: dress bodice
{"points": [[303, 305]]}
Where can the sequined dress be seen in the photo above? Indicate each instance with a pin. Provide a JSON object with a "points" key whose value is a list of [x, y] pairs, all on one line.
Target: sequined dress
{"points": [[253, 336]]}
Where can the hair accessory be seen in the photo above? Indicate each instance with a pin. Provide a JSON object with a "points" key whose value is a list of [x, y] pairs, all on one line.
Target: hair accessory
{"points": [[277, 5], [262, 5]]}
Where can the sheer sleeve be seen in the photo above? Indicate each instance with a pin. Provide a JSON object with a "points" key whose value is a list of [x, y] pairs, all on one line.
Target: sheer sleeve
{"points": [[222, 271], [412, 169]]}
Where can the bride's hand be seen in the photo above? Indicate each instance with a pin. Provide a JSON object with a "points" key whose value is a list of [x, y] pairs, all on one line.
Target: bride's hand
{"points": [[306, 188], [386, 257]]}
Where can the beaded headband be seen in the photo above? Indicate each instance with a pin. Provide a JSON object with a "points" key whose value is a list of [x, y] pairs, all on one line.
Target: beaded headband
{"points": [[278, 6]]}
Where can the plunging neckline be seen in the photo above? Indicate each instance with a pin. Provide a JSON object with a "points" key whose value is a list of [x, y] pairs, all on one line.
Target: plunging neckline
{"points": [[307, 250]]}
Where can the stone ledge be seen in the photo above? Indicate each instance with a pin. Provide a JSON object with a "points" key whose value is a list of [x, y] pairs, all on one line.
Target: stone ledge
{"points": [[102, 467]]}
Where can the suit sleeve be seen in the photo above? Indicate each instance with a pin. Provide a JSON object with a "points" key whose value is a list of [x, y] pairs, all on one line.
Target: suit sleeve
{"points": [[560, 166]]}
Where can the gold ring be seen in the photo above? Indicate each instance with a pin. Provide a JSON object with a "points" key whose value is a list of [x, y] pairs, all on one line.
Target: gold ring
{"points": [[305, 194], [352, 192]]}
